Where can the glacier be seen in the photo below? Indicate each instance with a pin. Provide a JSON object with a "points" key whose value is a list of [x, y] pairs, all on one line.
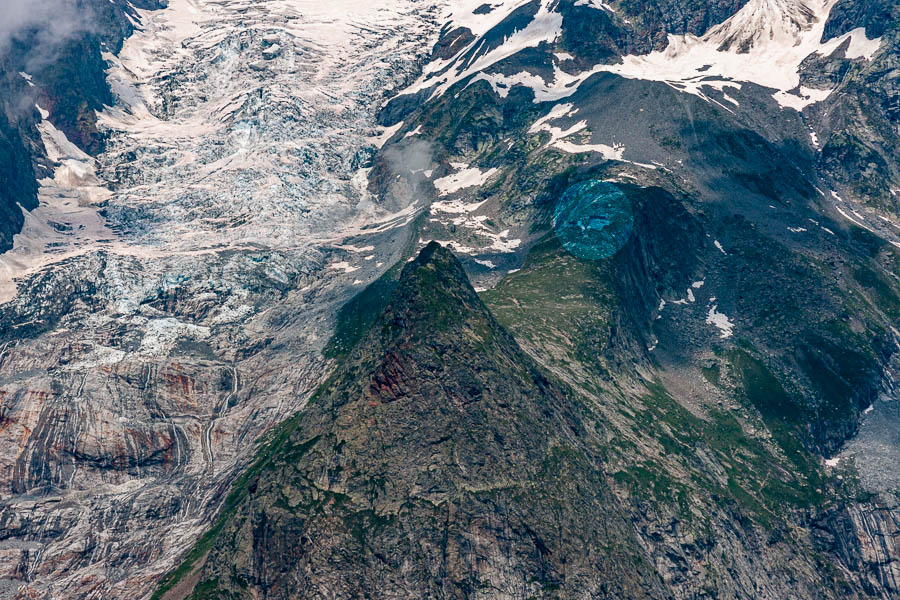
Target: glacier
{"points": [[174, 293]]}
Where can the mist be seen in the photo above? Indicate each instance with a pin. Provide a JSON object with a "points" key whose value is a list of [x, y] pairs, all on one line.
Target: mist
{"points": [[44, 24], [409, 160]]}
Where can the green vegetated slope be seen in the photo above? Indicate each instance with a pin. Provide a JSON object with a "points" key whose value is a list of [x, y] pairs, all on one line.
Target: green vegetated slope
{"points": [[716, 459], [439, 460]]}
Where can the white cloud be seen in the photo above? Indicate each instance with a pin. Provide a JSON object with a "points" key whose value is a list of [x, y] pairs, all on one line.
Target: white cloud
{"points": [[44, 24]]}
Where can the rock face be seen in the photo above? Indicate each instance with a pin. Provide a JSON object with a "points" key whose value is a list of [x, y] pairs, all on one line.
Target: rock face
{"points": [[61, 70], [862, 125], [17, 184], [437, 462]]}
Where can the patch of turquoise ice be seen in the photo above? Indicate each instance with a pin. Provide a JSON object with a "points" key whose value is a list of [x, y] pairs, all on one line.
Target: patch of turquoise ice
{"points": [[593, 219]]}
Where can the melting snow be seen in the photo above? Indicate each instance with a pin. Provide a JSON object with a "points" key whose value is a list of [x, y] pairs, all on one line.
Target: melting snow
{"points": [[763, 43], [558, 136], [386, 134], [614, 152], [596, 4], [690, 295], [545, 27], [465, 178], [722, 322]]}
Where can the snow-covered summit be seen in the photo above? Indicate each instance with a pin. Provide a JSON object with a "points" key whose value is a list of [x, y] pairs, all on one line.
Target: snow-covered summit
{"points": [[762, 22]]}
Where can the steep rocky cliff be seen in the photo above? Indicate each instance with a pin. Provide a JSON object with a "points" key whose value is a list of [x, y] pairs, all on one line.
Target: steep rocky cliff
{"points": [[436, 462]]}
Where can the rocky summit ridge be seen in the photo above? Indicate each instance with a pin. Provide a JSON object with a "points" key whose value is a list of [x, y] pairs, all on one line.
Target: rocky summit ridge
{"points": [[437, 462]]}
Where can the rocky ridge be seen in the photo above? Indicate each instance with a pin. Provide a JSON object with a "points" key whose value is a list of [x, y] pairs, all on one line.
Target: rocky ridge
{"points": [[436, 462]]}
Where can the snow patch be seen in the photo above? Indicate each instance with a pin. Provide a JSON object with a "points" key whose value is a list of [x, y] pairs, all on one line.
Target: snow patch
{"points": [[721, 321], [466, 178], [596, 4], [442, 75], [343, 266], [456, 207]]}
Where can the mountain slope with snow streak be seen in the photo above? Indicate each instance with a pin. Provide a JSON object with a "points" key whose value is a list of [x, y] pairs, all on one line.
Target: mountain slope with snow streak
{"points": [[753, 66], [763, 43]]}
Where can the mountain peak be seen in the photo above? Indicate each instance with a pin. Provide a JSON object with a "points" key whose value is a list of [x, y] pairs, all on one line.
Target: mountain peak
{"points": [[433, 251], [762, 22], [438, 461], [434, 291]]}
